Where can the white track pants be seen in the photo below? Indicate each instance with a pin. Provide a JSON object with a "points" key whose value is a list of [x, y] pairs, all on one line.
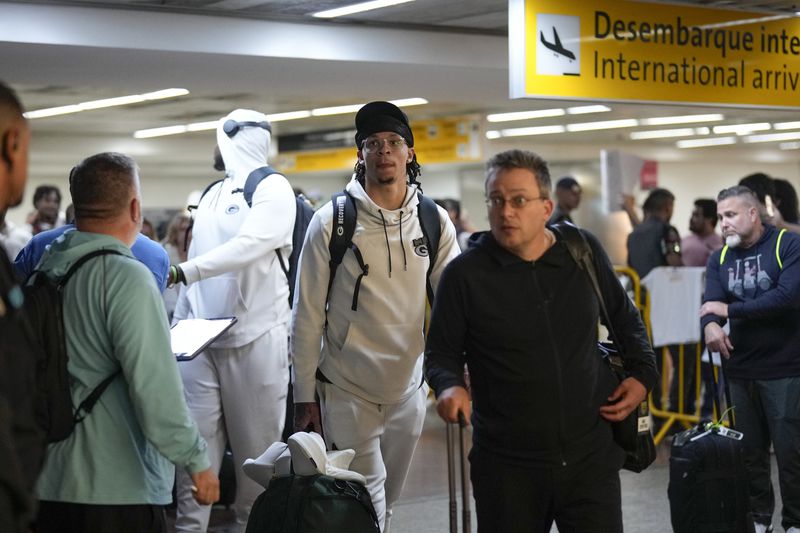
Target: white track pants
{"points": [[236, 395], [383, 436]]}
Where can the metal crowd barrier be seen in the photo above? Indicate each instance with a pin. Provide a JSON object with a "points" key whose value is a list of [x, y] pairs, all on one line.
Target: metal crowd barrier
{"points": [[660, 410]]}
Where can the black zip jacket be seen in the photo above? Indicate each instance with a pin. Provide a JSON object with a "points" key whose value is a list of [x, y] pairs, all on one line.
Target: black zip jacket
{"points": [[528, 332]]}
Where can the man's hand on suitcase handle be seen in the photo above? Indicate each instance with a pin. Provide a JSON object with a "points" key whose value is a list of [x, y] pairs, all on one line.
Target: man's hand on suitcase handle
{"points": [[205, 487], [452, 401], [625, 398], [307, 417], [717, 340]]}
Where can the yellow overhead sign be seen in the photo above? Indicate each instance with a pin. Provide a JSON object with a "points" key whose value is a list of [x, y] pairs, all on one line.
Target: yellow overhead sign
{"points": [[638, 51], [316, 160], [442, 140], [447, 140]]}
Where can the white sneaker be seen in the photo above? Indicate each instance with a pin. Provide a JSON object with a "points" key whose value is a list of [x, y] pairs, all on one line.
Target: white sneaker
{"points": [[275, 460], [763, 528], [793, 530], [308, 453]]}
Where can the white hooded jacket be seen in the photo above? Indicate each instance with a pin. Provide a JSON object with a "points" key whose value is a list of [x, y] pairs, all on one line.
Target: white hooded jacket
{"points": [[233, 269], [376, 351]]}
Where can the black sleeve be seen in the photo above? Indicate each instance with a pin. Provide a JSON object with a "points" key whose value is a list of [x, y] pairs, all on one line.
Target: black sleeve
{"points": [[444, 346], [714, 291], [640, 360]]}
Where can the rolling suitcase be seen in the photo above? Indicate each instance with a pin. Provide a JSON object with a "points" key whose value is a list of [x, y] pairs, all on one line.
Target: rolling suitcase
{"points": [[707, 479], [466, 516]]}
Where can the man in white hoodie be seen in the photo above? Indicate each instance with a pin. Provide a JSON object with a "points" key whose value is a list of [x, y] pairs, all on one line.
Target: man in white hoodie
{"points": [[237, 389], [368, 374]]}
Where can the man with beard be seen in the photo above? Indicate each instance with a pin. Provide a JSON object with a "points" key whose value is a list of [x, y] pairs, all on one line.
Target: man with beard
{"points": [[365, 386], [754, 282], [236, 390]]}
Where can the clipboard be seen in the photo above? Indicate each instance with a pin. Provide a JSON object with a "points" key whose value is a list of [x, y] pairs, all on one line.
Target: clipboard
{"points": [[191, 336]]}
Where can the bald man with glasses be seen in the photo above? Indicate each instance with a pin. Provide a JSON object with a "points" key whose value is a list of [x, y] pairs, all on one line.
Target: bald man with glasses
{"points": [[523, 316]]}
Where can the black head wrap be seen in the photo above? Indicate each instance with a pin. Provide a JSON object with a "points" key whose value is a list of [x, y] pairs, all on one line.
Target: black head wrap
{"points": [[375, 117]]}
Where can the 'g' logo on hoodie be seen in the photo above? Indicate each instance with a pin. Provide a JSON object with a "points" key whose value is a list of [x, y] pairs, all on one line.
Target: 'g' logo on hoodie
{"points": [[420, 246], [232, 209]]}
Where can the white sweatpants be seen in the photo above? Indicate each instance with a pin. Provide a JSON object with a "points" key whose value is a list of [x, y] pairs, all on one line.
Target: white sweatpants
{"points": [[383, 436], [236, 395]]}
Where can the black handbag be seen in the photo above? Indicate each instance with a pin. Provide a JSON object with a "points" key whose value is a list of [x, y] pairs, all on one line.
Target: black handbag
{"points": [[633, 433]]}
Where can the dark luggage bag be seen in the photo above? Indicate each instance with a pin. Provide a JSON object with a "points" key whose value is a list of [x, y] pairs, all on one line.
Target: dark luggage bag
{"points": [[708, 489], [313, 504]]}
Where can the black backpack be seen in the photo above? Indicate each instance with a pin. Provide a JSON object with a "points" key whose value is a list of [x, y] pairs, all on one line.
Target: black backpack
{"points": [[303, 214], [313, 504], [44, 324], [344, 226]]}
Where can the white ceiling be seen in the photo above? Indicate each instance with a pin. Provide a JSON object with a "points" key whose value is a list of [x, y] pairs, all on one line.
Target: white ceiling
{"points": [[271, 56]]}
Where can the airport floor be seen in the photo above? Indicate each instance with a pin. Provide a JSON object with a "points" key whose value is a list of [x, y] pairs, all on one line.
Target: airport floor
{"points": [[424, 508]]}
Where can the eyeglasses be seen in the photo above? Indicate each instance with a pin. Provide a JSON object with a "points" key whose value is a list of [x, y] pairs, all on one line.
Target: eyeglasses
{"points": [[516, 202], [373, 145]]}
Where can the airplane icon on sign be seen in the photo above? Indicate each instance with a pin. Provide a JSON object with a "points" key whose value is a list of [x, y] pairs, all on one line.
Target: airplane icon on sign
{"points": [[556, 46]]}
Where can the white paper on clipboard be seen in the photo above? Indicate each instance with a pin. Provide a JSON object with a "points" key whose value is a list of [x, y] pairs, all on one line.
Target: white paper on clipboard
{"points": [[193, 335]]}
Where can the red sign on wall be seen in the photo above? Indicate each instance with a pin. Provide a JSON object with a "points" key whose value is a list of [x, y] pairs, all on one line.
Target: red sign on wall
{"points": [[648, 177]]}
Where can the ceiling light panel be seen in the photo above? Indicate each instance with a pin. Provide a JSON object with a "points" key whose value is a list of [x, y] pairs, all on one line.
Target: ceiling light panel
{"points": [[603, 125], [772, 137], [700, 143], [159, 132], [352, 108], [663, 134], [357, 8], [534, 130], [742, 129], [787, 125], [408, 102], [525, 115], [586, 109], [105, 102], [681, 119], [336, 110], [288, 115]]}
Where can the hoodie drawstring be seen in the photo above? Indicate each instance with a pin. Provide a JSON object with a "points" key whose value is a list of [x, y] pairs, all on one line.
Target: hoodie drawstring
{"points": [[403, 246], [386, 236]]}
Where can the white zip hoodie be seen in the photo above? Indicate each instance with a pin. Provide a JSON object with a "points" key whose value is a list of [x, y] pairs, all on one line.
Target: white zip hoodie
{"points": [[233, 269], [376, 351]]}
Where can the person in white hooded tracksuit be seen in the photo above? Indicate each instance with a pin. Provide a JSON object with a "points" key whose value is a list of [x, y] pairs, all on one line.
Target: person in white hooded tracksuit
{"points": [[368, 373], [236, 390]]}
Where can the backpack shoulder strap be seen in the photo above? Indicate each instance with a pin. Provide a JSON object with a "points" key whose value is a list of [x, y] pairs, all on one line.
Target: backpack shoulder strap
{"points": [[210, 186], [431, 225], [82, 261], [576, 243], [89, 402], [581, 252], [345, 214], [253, 179]]}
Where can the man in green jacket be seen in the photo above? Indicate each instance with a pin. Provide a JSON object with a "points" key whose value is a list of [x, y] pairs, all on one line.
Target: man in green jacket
{"points": [[115, 471]]}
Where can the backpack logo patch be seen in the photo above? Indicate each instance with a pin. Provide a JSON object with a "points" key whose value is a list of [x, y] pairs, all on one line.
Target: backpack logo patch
{"points": [[232, 209], [420, 246]]}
